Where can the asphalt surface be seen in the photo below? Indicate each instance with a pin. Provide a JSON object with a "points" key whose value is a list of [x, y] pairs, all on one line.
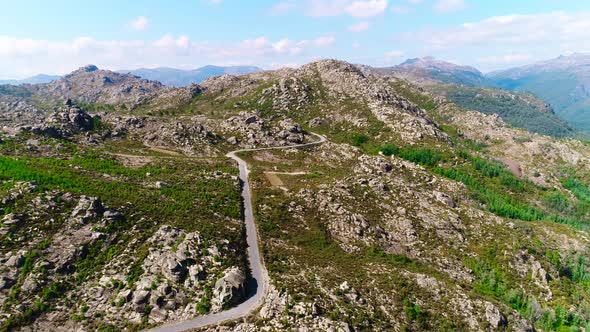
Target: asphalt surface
{"points": [[258, 284]]}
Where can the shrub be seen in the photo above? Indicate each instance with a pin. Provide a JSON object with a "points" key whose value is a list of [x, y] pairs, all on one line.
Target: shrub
{"points": [[389, 149], [358, 139], [422, 156]]}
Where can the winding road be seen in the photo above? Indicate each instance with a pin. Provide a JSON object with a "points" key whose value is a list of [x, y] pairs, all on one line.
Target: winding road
{"points": [[258, 271]]}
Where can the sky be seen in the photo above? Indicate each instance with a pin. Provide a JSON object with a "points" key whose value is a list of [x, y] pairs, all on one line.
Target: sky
{"points": [[58, 36]]}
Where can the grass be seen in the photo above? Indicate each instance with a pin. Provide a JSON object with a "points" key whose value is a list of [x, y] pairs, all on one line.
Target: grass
{"points": [[493, 280], [194, 200], [84, 174], [518, 111], [493, 185]]}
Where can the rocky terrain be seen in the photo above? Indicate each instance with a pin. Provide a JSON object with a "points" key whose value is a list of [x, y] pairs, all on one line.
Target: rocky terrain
{"points": [[120, 211], [470, 89]]}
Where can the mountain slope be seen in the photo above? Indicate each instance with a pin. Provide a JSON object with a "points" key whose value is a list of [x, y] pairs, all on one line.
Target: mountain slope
{"points": [[464, 86], [415, 214], [179, 77], [563, 82], [519, 109]]}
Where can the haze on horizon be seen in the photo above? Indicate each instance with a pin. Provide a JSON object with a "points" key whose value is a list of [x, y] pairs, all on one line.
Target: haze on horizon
{"points": [[58, 37]]}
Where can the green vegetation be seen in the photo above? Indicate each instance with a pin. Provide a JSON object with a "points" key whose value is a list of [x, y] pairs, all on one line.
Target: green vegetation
{"points": [[15, 90], [419, 98], [95, 108], [193, 200], [561, 89], [84, 174], [524, 111], [492, 279], [500, 191], [204, 304], [41, 305]]}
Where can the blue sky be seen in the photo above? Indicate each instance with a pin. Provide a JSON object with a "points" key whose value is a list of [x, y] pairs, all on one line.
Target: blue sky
{"points": [[59, 36]]}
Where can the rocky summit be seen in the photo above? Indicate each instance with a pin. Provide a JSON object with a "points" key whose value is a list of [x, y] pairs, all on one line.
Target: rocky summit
{"points": [[364, 200]]}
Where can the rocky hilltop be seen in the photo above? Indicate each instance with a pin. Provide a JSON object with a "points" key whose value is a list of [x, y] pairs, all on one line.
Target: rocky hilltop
{"points": [[92, 85], [415, 214]]}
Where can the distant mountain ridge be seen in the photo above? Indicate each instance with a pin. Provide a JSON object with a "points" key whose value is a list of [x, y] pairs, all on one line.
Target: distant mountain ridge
{"points": [[164, 75], [180, 77], [431, 69], [564, 82], [37, 79], [471, 89]]}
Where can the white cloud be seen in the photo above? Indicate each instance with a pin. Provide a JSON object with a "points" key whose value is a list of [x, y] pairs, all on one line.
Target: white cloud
{"points": [[401, 9], [405, 8], [359, 8], [168, 42], [359, 27], [446, 6], [366, 8], [356, 45], [285, 45], [283, 7], [324, 41], [394, 54], [507, 59], [324, 8], [279, 65], [140, 23], [26, 57], [512, 30]]}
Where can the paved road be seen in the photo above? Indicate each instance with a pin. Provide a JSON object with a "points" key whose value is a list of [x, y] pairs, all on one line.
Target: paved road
{"points": [[258, 270]]}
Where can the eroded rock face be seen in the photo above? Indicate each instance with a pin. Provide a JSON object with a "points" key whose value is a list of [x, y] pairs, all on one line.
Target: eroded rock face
{"points": [[258, 132], [495, 318], [92, 85], [70, 120], [87, 209], [230, 289]]}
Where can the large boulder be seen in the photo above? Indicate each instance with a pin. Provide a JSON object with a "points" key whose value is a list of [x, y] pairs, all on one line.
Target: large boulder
{"points": [[230, 289], [88, 208]]}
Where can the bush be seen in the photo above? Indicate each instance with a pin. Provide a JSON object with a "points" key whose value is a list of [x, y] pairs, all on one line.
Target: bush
{"points": [[359, 139], [423, 156], [389, 149], [579, 189]]}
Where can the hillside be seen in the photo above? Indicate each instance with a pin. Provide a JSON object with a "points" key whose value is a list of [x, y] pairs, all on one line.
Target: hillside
{"points": [[563, 82], [415, 214], [519, 109], [179, 77], [465, 87]]}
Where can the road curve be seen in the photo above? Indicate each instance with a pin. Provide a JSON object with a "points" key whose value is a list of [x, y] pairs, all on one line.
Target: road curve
{"points": [[257, 268]]}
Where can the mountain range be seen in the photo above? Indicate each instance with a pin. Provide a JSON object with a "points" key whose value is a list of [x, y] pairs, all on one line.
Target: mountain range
{"points": [[379, 206], [179, 77], [563, 83], [550, 97], [37, 79], [429, 69], [167, 76]]}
